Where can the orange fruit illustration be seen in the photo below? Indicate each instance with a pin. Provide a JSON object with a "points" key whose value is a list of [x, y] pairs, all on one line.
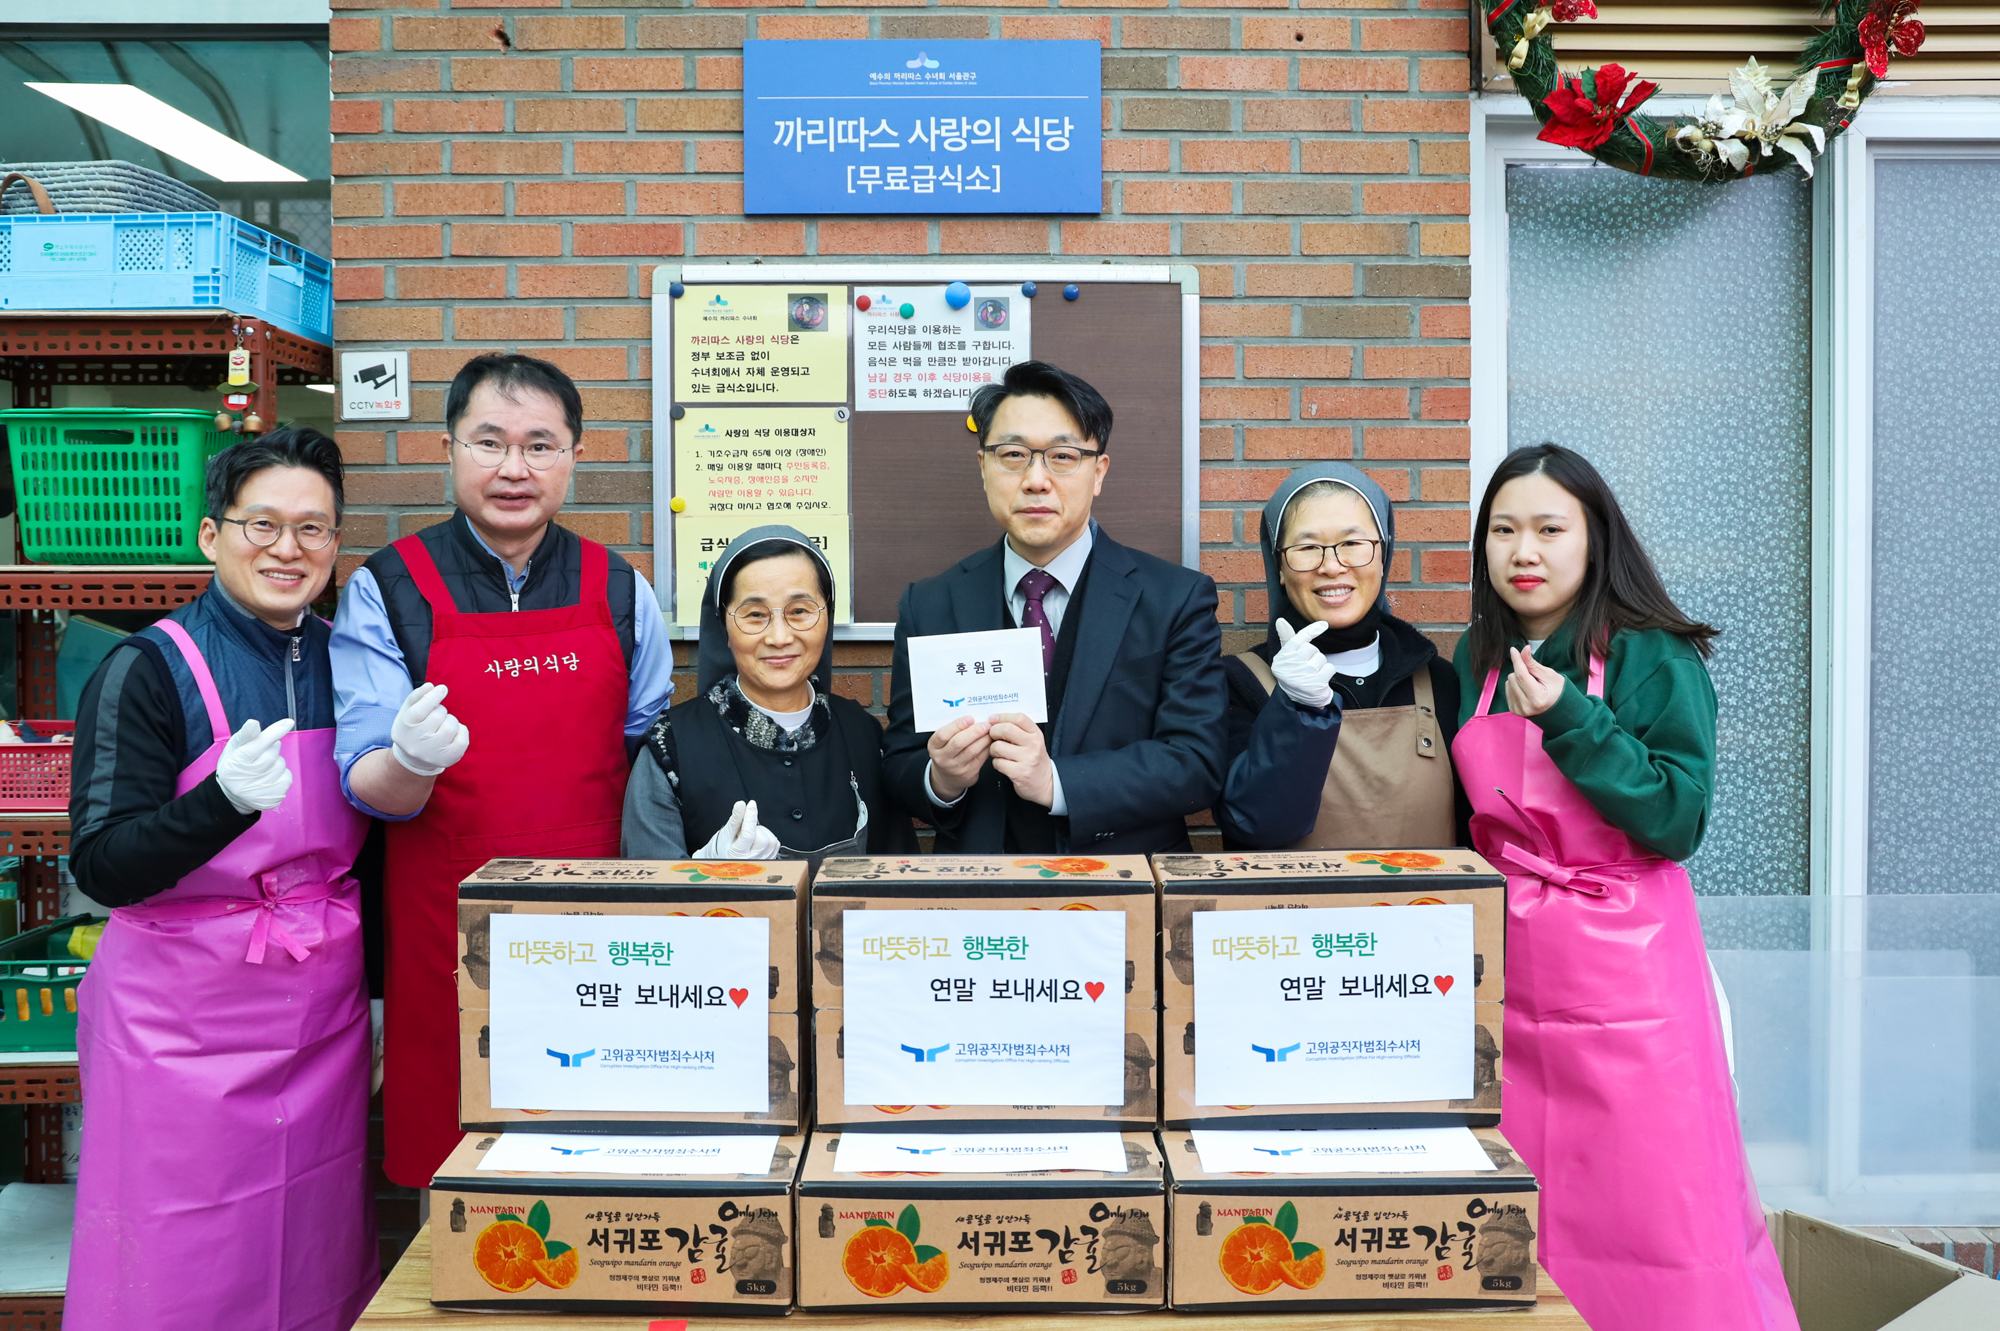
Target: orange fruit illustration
{"points": [[1065, 864], [505, 1254], [720, 868], [875, 1259], [1253, 1256], [1078, 905], [1305, 1272], [928, 1277], [723, 911], [560, 1272], [895, 1109], [1412, 859]]}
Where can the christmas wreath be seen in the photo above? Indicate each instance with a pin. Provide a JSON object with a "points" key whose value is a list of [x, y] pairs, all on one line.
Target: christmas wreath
{"points": [[1758, 129]]}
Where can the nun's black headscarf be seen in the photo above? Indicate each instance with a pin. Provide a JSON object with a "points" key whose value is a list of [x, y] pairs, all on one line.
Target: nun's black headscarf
{"points": [[1332, 640], [715, 662]]}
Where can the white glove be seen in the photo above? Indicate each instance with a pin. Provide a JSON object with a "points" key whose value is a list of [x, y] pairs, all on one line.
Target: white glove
{"points": [[252, 771], [741, 838], [425, 737], [1302, 668]]}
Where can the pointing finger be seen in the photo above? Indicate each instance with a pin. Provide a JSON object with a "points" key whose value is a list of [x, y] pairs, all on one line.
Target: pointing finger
{"points": [[259, 745], [1314, 629], [1285, 634]]}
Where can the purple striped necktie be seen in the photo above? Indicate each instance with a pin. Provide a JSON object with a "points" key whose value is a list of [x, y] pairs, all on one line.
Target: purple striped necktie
{"points": [[1035, 584]]}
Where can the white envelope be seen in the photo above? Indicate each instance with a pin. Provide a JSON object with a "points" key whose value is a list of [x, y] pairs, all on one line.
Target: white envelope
{"points": [[977, 675]]}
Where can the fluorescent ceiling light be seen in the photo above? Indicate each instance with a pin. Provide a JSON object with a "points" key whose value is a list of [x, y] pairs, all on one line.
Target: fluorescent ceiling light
{"points": [[146, 118]]}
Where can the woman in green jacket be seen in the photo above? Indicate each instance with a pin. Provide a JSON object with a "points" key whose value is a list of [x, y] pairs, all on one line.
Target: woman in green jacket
{"points": [[1590, 775]]}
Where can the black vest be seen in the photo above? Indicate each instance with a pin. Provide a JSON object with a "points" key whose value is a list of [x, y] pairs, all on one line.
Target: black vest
{"points": [[802, 796], [1031, 829]]}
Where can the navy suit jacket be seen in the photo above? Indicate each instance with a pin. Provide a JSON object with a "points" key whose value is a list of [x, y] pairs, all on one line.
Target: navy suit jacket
{"points": [[1141, 741]]}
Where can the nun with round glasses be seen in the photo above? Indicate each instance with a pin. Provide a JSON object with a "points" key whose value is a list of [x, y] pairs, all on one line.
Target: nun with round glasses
{"points": [[1340, 723], [765, 761]]}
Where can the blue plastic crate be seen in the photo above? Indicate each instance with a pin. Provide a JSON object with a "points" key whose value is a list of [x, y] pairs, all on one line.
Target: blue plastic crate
{"points": [[164, 261]]}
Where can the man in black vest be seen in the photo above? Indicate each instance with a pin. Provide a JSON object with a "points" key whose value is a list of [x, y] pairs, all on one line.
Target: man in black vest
{"points": [[1135, 739]]}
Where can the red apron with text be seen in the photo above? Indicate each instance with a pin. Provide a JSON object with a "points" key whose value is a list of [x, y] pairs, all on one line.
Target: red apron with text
{"points": [[222, 1038], [544, 694], [1616, 1087]]}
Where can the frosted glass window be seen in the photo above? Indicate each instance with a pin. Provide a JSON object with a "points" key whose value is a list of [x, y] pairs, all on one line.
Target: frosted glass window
{"points": [[1934, 725], [1663, 330]]}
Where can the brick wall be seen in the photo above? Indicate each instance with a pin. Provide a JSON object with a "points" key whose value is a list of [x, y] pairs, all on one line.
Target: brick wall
{"points": [[507, 174]]}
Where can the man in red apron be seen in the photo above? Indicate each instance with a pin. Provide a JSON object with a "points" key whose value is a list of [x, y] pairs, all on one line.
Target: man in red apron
{"points": [[222, 1030], [494, 645]]}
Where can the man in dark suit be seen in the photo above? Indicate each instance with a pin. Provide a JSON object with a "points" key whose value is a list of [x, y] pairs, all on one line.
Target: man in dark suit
{"points": [[1135, 739]]}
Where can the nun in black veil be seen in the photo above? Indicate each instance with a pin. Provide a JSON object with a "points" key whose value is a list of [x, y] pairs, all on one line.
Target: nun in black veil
{"points": [[765, 761]]}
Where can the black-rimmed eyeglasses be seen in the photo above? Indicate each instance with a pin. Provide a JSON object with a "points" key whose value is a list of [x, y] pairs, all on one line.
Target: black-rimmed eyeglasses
{"points": [[1309, 558], [1062, 460], [263, 531]]}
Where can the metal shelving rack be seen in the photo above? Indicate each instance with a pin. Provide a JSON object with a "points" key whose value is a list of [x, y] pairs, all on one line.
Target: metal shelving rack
{"points": [[38, 352]]}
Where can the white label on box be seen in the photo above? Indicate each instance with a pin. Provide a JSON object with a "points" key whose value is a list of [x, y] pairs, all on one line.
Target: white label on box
{"points": [[934, 359], [654, 1013], [1333, 1005], [1342, 1151], [984, 1007], [976, 675], [587, 1153], [978, 1152], [375, 385]]}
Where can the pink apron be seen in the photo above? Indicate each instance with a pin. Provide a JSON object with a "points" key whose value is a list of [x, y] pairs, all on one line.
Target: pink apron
{"points": [[223, 1036], [1616, 1088]]}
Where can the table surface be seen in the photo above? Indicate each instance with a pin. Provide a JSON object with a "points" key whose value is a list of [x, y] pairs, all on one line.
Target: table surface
{"points": [[404, 1302]]}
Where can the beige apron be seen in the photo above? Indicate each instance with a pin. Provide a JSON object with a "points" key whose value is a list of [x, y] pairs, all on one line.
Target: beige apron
{"points": [[1389, 785]]}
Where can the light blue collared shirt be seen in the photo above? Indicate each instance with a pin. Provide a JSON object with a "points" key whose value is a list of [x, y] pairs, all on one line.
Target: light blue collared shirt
{"points": [[1066, 568], [371, 679]]}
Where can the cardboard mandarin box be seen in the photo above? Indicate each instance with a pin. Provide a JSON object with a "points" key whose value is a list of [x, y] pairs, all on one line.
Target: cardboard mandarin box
{"points": [[1292, 879], [718, 1244], [1350, 1242], [774, 890], [993, 882], [1039, 1240]]}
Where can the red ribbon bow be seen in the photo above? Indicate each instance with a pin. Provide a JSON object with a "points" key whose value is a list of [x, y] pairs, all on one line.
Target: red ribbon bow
{"points": [[266, 927], [1891, 24], [1578, 121]]}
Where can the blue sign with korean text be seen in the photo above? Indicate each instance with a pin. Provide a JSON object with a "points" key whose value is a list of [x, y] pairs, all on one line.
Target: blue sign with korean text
{"points": [[922, 127]]}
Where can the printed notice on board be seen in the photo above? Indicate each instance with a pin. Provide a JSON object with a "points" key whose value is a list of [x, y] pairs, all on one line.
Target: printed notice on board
{"points": [[771, 463], [973, 1007], [978, 1152], [592, 1153], [700, 540], [933, 359], [1343, 1151], [1333, 1005], [631, 1012], [781, 342]]}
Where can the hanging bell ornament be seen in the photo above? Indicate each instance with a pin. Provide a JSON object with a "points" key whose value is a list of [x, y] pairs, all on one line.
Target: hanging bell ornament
{"points": [[223, 420], [253, 424]]}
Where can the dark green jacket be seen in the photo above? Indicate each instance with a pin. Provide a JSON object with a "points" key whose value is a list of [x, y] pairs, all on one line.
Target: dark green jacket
{"points": [[1644, 754]]}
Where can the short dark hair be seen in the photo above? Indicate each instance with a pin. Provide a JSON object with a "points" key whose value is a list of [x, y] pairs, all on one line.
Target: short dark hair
{"points": [[773, 549], [293, 446], [1034, 378], [513, 374], [1621, 588]]}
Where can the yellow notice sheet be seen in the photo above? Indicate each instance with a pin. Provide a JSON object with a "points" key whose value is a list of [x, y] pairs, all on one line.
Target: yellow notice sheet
{"points": [[771, 464], [775, 343], [700, 541]]}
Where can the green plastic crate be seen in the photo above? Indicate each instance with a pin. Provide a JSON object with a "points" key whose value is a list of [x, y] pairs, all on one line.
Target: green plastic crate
{"points": [[38, 996], [108, 485]]}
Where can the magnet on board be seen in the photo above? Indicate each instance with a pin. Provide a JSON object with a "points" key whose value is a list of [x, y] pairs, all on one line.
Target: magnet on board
{"points": [[907, 310], [679, 411], [958, 295], [970, 423], [677, 291], [862, 303], [1072, 291], [677, 504], [1028, 290]]}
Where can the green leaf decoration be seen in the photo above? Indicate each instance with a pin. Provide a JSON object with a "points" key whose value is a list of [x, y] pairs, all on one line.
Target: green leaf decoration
{"points": [[697, 878], [1391, 868], [1048, 873], [1301, 1251], [507, 1215], [872, 1221], [557, 1249], [909, 1224], [1288, 1220], [1255, 1220], [538, 1219], [927, 1253]]}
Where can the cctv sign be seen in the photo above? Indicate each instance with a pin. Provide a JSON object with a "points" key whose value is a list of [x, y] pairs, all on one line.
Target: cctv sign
{"points": [[375, 385]]}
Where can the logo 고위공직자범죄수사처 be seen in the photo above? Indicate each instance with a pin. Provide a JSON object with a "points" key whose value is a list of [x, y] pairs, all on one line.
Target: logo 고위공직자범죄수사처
{"points": [[922, 1054], [1273, 1054], [570, 1060]]}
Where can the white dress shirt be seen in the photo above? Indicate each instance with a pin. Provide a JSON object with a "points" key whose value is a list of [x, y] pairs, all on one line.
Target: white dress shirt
{"points": [[1066, 568]]}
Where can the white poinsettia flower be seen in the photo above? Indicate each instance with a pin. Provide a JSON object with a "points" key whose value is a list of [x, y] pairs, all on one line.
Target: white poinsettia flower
{"points": [[1757, 117]]}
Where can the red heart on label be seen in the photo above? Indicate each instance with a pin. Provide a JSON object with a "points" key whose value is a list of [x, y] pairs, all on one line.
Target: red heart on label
{"points": [[1443, 983], [737, 996], [1095, 990]]}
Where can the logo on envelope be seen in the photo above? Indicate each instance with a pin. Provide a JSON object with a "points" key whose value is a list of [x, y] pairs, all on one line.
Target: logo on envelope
{"points": [[924, 1055], [1274, 1055], [570, 1060]]}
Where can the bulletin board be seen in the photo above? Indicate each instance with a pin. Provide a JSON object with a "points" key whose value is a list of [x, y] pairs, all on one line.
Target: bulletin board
{"points": [[776, 399]]}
